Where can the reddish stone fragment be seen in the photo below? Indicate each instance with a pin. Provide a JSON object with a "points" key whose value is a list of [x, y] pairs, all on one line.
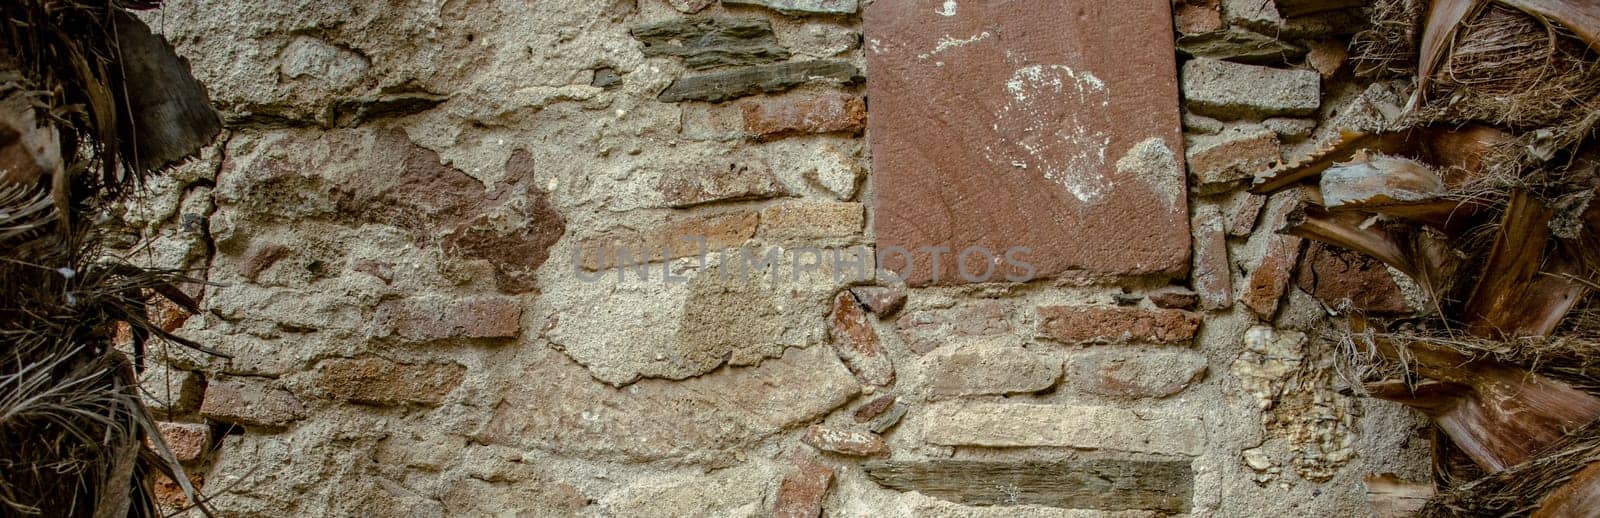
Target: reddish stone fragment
{"points": [[879, 300], [1136, 373], [426, 319], [771, 118], [250, 403], [1242, 220], [1104, 325], [260, 257], [924, 331], [874, 408], [844, 442], [1212, 275], [1348, 280], [695, 183], [187, 441], [803, 489], [1266, 284], [1327, 57], [1174, 297], [1197, 16], [170, 495], [1047, 125], [856, 342], [382, 382], [678, 237]]}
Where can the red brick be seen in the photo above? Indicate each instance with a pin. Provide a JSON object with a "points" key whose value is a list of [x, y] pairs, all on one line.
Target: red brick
{"points": [[790, 114], [924, 331], [1212, 274], [801, 493], [1047, 125], [1174, 297], [1348, 280], [382, 382], [170, 495], [1107, 325], [187, 441], [1242, 219], [1228, 158], [425, 319], [250, 403], [720, 231], [856, 342], [844, 442]]}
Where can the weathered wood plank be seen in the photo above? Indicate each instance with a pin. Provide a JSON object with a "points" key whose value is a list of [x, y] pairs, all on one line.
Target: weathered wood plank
{"points": [[1105, 484]]}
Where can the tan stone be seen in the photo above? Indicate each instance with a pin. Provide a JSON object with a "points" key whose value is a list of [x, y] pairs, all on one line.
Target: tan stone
{"points": [[812, 220], [678, 237], [802, 490], [926, 330], [379, 381], [1212, 275], [250, 403], [1005, 425], [1135, 373], [710, 181], [431, 318], [856, 342], [980, 370], [844, 442]]}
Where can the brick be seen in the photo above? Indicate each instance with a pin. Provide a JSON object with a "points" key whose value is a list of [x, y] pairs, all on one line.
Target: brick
{"points": [[1259, 14], [801, 493], [1234, 91], [813, 220], [712, 41], [1005, 425], [1212, 274], [1135, 373], [976, 371], [791, 114], [752, 80], [1197, 16], [187, 441], [844, 442], [1265, 285], [1235, 154], [1066, 141], [803, 6], [856, 342], [1174, 297], [250, 403], [1348, 280], [378, 381], [872, 409], [881, 301], [700, 182], [924, 331], [1105, 325], [675, 236], [170, 495], [430, 318], [1290, 129], [1242, 219]]}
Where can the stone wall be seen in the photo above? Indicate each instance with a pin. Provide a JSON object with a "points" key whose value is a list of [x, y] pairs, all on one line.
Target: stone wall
{"points": [[411, 230]]}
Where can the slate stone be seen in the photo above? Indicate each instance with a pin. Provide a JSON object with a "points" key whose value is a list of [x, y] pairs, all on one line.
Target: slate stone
{"points": [[747, 81], [712, 42], [1047, 125], [803, 6], [1108, 484]]}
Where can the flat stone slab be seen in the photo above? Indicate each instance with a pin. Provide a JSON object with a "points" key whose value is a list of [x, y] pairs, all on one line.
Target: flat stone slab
{"points": [[1006, 425], [1104, 484], [1047, 125]]}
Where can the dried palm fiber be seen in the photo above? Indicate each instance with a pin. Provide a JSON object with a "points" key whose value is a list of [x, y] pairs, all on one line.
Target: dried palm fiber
{"points": [[1519, 491], [90, 102]]}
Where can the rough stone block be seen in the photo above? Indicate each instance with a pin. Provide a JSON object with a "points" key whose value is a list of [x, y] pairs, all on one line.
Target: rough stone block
{"points": [[1235, 154], [187, 441], [977, 370], [378, 381], [844, 442], [801, 493], [1003, 425], [430, 318], [1239, 45], [250, 403], [690, 6], [1117, 325], [924, 331], [1197, 16], [1260, 14], [1136, 373], [803, 6], [1242, 219], [747, 81], [1265, 285], [1327, 57], [711, 42], [700, 182], [881, 301], [1057, 131], [1290, 129], [676, 236], [813, 220], [1103, 484], [872, 409], [856, 342], [1174, 297], [1213, 274], [170, 391], [772, 118], [1235, 91]]}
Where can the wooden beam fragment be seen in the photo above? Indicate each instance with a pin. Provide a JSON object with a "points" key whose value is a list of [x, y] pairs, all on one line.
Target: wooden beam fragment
{"points": [[1104, 484]]}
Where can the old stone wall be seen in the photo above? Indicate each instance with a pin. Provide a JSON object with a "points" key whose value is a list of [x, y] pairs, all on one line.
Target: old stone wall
{"points": [[410, 235]]}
